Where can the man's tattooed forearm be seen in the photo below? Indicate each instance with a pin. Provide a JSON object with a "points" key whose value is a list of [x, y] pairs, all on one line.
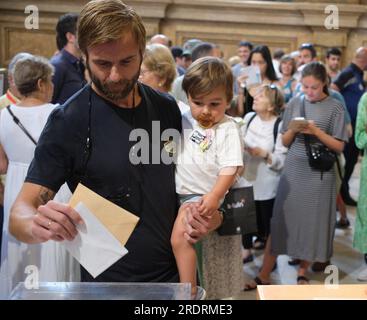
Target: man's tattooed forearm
{"points": [[45, 195]]}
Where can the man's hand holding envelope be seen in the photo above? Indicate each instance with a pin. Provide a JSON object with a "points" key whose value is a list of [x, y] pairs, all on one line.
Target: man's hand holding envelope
{"points": [[107, 227], [117, 220]]}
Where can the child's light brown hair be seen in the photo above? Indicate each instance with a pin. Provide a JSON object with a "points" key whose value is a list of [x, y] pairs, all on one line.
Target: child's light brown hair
{"points": [[206, 74]]}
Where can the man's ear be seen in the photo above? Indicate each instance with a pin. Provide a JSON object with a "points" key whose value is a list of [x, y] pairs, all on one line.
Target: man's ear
{"points": [[70, 37]]}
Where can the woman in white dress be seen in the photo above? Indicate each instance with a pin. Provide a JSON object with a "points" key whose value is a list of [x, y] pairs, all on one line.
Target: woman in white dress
{"points": [[43, 262]]}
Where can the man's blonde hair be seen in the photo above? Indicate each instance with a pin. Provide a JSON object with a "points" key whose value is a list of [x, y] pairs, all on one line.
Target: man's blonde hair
{"points": [[159, 60], [102, 21], [206, 74]]}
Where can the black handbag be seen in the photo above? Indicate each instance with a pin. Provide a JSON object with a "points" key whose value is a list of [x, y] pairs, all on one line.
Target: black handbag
{"points": [[319, 156], [239, 212]]}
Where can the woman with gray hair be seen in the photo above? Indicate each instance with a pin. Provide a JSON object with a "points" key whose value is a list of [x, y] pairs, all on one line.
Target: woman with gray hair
{"points": [[20, 127], [158, 69]]}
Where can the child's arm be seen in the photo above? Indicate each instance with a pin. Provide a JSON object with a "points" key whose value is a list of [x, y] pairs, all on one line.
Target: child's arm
{"points": [[210, 201]]}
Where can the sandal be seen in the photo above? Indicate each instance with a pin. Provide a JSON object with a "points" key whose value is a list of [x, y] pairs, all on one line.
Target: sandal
{"points": [[253, 285], [342, 223], [301, 280], [319, 266]]}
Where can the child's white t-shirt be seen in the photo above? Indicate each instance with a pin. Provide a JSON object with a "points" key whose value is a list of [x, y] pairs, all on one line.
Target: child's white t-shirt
{"points": [[202, 153]]}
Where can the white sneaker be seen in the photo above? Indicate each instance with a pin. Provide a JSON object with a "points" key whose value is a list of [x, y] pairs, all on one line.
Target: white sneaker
{"points": [[362, 276]]}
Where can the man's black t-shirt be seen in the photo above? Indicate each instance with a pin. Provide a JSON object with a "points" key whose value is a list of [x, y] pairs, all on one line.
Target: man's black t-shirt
{"points": [[146, 190]]}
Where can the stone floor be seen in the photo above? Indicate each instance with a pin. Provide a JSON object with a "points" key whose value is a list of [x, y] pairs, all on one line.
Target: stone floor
{"points": [[348, 261]]}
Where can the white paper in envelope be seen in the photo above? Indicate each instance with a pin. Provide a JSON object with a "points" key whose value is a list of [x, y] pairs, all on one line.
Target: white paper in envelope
{"points": [[119, 221], [94, 247]]}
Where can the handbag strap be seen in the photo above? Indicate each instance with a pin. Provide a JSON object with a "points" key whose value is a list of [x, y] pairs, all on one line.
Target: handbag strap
{"points": [[275, 130], [306, 137], [252, 118], [21, 126]]}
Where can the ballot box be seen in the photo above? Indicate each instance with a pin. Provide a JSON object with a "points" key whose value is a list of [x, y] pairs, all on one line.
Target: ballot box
{"points": [[102, 291], [312, 292]]}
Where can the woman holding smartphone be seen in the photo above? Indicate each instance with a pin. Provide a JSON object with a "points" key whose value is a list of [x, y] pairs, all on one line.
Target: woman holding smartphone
{"points": [[260, 57], [304, 212]]}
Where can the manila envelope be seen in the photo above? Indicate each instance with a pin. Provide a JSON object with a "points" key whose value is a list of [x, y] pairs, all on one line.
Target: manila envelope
{"points": [[117, 220]]}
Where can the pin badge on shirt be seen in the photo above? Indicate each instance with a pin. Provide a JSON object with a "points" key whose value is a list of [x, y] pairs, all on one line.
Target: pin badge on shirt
{"points": [[171, 147], [203, 140]]}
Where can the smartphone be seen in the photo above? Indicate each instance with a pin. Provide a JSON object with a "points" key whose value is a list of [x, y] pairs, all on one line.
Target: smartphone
{"points": [[300, 120], [298, 123]]}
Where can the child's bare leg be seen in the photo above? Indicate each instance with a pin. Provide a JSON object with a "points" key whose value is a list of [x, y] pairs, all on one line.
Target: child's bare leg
{"points": [[184, 252]]}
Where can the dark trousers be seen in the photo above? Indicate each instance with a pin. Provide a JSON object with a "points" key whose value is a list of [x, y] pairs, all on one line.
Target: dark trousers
{"points": [[264, 212], [351, 153]]}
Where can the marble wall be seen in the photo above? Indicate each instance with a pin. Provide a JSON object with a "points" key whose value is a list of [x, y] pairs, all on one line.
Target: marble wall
{"points": [[278, 24]]}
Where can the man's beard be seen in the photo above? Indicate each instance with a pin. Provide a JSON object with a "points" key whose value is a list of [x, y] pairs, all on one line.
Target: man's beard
{"points": [[113, 95]]}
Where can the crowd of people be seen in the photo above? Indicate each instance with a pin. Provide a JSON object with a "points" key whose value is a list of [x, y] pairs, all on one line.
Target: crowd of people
{"points": [[68, 120]]}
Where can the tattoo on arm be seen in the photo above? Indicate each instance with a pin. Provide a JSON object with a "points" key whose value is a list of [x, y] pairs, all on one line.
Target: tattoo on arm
{"points": [[45, 195]]}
